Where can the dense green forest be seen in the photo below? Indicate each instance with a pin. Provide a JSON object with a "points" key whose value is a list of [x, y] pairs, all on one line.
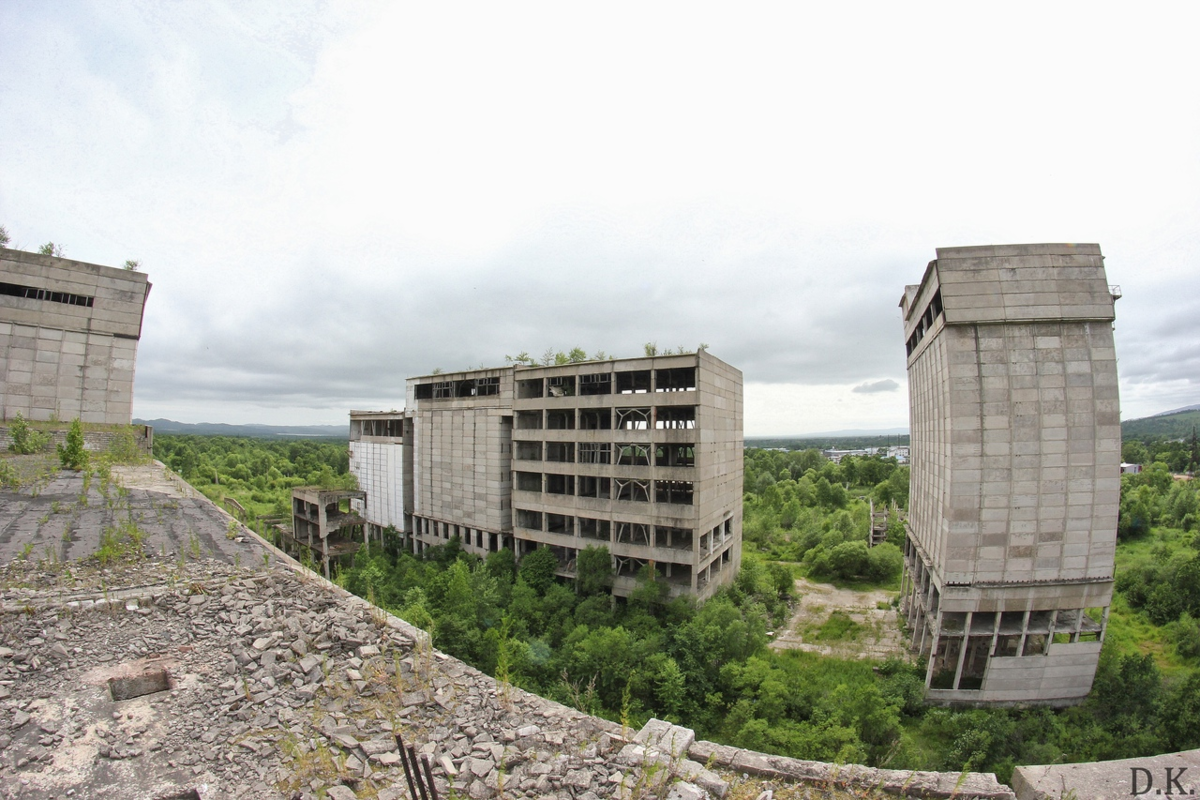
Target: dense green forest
{"points": [[258, 473], [709, 666]]}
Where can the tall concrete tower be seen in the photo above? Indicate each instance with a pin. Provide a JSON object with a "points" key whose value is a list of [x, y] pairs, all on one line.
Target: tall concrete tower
{"points": [[1016, 444]]}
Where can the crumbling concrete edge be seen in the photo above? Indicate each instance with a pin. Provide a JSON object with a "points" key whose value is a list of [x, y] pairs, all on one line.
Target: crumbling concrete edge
{"points": [[906, 783]]}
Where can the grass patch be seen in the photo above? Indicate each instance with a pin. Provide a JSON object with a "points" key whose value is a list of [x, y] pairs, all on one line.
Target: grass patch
{"points": [[838, 627]]}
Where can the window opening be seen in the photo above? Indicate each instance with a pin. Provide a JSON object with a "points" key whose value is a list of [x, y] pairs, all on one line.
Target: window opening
{"points": [[529, 451], [590, 486], [529, 519], [595, 419], [529, 389], [634, 490], [560, 484], [529, 481], [633, 419], [595, 453], [594, 528], [599, 383], [678, 492], [633, 533], [672, 538], [675, 455], [560, 451], [679, 379], [560, 523], [675, 417], [634, 382], [529, 420], [633, 455], [560, 420], [561, 386]]}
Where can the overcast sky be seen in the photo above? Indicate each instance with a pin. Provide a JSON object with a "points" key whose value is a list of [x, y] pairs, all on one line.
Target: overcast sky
{"points": [[331, 196]]}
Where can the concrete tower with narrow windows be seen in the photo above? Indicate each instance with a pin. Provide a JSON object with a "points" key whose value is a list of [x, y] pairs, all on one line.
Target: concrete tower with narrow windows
{"points": [[1015, 459]]}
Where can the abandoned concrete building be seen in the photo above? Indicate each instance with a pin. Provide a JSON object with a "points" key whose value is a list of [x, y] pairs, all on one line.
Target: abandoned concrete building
{"points": [[324, 526], [68, 338], [643, 456], [1015, 458]]}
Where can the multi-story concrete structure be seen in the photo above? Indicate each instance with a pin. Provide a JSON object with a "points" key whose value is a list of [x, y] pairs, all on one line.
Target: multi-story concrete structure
{"points": [[324, 525], [1015, 458], [643, 456], [68, 338]]}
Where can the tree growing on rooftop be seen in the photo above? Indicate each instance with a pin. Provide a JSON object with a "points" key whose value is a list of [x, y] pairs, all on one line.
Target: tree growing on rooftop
{"points": [[72, 455], [51, 249]]}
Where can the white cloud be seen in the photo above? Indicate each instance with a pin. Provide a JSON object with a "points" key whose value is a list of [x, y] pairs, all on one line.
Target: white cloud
{"points": [[330, 197]]}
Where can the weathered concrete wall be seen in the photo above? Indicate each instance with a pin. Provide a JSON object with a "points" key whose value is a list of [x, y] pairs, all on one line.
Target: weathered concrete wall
{"points": [[1168, 775], [93, 441], [68, 338]]}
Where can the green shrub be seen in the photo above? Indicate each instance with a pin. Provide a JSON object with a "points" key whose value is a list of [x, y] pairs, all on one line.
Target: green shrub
{"points": [[72, 455], [26, 440]]}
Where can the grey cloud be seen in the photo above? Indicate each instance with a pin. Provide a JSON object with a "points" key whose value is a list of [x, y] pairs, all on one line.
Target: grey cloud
{"points": [[887, 385]]}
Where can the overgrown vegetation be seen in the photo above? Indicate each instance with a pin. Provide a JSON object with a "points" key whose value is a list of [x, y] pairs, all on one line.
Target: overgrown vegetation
{"points": [[258, 473], [709, 666], [800, 507]]}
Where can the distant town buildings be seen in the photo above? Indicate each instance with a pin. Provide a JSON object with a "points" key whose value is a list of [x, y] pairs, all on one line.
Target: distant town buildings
{"points": [[68, 338], [898, 452], [1016, 441], [642, 456]]}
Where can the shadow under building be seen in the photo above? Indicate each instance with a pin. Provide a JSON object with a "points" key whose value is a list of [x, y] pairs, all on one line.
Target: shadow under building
{"points": [[1015, 484]]}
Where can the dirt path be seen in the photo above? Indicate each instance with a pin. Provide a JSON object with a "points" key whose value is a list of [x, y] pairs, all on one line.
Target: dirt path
{"points": [[875, 632]]}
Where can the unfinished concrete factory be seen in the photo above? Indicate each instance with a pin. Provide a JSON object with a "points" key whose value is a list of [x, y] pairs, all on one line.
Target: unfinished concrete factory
{"points": [[1015, 482], [642, 456]]}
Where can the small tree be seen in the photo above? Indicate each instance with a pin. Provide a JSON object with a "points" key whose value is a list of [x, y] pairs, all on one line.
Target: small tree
{"points": [[50, 249], [593, 570], [72, 455], [538, 568], [132, 264], [4, 240], [25, 440]]}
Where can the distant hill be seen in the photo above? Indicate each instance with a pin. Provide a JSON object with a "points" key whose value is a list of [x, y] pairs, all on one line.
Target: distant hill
{"points": [[1170, 425], [255, 431], [840, 440]]}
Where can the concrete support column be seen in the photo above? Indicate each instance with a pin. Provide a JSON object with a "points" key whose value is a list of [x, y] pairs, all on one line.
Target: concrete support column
{"points": [[962, 651]]}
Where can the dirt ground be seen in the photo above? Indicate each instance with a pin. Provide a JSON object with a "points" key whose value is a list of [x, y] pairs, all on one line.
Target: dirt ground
{"points": [[876, 633]]}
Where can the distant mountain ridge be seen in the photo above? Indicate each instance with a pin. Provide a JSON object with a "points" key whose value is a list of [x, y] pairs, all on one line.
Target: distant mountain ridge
{"points": [[1176, 424], [254, 431]]}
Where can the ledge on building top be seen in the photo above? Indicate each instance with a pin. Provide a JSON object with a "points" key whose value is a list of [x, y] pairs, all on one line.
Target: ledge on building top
{"points": [[1011, 250], [58, 262]]}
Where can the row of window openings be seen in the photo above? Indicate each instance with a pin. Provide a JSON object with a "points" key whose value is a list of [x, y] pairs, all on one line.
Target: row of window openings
{"points": [[627, 455], [472, 537], [34, 293], [661, 418], [630, 567], [932, 311], [466, 387], [642, 381], [635, 533], [393, 428], [632, 490]]}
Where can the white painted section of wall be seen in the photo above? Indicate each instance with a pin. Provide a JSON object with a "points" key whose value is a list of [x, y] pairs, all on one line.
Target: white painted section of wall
{"points": [[380, 472]]}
